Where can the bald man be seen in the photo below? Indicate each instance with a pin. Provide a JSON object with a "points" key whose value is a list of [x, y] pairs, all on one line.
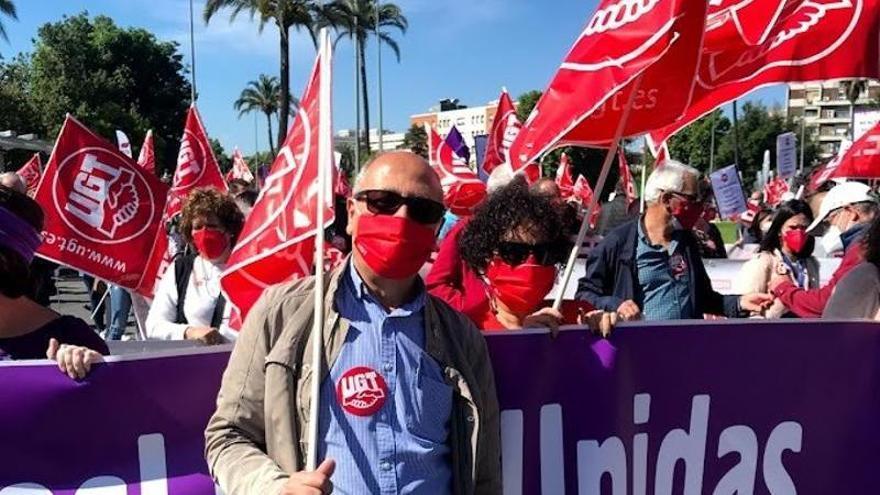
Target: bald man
{"points": [[13, 181], [407, 396]]}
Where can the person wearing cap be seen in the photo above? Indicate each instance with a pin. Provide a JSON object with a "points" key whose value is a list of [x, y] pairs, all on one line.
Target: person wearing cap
{"points": [[844, 216]]}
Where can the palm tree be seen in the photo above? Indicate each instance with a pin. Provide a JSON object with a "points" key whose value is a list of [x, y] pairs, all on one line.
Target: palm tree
{"points": [[285, 14], [263, 95], [7, 8], [352, 18], [853, 89]]}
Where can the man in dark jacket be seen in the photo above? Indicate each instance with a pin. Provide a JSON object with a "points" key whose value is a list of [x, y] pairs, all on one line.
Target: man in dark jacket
{"points": [[651, 267]]}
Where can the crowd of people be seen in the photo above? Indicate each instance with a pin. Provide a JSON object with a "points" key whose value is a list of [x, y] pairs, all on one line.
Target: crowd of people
{"points": [[407, 395]]}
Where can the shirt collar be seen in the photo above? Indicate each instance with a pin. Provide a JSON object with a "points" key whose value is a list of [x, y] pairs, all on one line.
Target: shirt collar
{"points": [[643, 237], [362, 293]]}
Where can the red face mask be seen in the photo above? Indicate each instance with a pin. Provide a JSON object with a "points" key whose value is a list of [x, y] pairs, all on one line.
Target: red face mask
{"points": [[686, 213], [795, 240], [521, 288], [211, 243], [393, 247]]}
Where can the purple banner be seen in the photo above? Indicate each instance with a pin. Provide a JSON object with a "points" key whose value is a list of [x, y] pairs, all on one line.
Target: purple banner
{"points": [[744, 407]]}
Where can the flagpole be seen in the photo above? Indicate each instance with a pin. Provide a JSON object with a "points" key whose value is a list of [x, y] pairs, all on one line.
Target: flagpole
{"points": [[735, 136], [357, 100], [594, 201], [325, 152], [379, 72], [192, 53]]}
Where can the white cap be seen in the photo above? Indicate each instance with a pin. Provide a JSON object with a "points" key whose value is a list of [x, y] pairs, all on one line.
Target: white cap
{"points": [[848, 193]]}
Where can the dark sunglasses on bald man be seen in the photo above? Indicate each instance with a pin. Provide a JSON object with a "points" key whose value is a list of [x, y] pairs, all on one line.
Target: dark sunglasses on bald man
{"points": [[422, 210]]}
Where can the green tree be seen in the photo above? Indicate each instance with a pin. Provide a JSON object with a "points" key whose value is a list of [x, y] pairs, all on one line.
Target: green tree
{"points": [[262, 95], [223, 159], [853, 89], [358, 18], [526, 102], [110, 78], [7, 8], [693, 144], [416, 140], [286, 15], [17, 111]]}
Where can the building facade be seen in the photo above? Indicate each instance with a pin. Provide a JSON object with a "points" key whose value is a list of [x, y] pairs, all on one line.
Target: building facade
{"points": [[470, 121], [826, 111], [390, 140]]}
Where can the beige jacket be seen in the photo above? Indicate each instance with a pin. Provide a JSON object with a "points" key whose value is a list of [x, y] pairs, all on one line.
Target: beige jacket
{"points": [[755, 275], [257, 436], [856, 295]]}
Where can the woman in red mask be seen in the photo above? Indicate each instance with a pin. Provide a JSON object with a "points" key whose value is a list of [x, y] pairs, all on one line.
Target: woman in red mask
{"points": [[188, 303], [516, 241], [786, 248]]}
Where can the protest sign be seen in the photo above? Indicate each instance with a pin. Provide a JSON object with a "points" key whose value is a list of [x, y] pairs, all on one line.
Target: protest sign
{"points": [[729, 196], [786, 155]]}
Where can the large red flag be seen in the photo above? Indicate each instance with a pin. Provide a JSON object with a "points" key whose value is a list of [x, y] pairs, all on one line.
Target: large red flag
{"points": [[626, 177], [505, 127], [240, 168], [462, 189], [564, 180], [862, 159], [102, 210], [752, 43], [650, 47], [30, 173], [147, 157], [278, 240]]}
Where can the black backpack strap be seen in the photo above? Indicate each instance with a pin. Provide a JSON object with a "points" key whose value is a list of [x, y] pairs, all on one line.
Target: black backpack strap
{"points": [[217, 317], [183, 267]]}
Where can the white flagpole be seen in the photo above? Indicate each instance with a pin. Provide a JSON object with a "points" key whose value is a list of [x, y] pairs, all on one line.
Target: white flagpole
{"points": [[192, 54], [597, 192], [325, 157], [379, 76]]}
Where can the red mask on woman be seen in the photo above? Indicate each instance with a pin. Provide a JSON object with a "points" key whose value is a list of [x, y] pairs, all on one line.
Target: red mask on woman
{"points": [[523, 287], [211, 243], [686, 213], [393, 247], [795, 240]]}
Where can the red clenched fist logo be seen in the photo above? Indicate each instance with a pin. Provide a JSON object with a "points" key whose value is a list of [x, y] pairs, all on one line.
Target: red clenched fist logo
{"points": [[361, 391], [100, 198]]}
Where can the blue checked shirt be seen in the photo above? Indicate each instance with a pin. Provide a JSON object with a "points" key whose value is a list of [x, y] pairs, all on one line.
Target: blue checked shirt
{"points": [[665, 279], [401, 447]]}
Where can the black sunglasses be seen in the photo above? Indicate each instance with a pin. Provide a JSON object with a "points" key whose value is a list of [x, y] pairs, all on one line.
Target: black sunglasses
{"points": [[515, 253], [691, 198], [422, 210]]}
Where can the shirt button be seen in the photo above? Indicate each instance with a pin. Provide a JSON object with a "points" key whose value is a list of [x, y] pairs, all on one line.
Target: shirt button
{"points": [[388, 367], [385, 466]]}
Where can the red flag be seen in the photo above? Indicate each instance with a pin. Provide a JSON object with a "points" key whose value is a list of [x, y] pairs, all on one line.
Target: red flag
{"points": [[862, 159], [749, 44], [626, 177], [30, 173], [774, 190], [824, 173], [230, 176], [147, 157], [240, 168], [102, 210], [278, 240], [462, 189], [505, 127], [649, 47], [563, 177], [583, 193]]}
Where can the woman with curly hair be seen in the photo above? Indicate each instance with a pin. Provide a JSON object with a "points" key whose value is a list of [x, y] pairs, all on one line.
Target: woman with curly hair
{"points": [[516, 242], [857, 294], [188, 303]]}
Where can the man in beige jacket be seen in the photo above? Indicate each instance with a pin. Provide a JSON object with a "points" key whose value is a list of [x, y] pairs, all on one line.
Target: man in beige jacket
{"points": [[407, 401]]}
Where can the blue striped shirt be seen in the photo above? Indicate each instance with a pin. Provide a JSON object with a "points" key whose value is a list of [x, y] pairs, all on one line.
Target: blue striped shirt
{"points": [[385, 409]]}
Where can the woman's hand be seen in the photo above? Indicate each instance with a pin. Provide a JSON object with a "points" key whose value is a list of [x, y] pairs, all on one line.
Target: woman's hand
{"points": [[544, 317], [73, 360], [601, 322]]}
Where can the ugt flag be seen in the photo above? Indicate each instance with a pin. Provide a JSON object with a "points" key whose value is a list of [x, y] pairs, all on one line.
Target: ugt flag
{"points": [[462, 189], [647, 47], [147, 157], [505, 127], [277, 243], [626, 177], [30, 173], [862, 159], [240, 168], [103, 211], [754, 43], [564, 180]]}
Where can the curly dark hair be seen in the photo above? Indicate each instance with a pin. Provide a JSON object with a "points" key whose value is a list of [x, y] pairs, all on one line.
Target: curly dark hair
{"points": [[206, 202], [506, 210], [15, 279], [771, 240]]}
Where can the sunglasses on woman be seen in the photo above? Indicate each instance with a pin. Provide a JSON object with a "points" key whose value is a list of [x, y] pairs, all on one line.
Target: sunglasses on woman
{"points": [[515, 253], [422, 210]]}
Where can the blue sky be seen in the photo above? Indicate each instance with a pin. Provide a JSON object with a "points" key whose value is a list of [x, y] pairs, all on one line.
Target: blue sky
{"points": [[465, 49]]}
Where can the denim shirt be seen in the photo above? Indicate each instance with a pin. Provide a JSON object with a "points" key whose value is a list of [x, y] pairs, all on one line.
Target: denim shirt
{"points": [[385, 409], [665, 279]]}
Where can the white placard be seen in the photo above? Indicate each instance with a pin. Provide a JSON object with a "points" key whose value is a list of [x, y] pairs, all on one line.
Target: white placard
{"points": [[728, 191], [786, 155]]}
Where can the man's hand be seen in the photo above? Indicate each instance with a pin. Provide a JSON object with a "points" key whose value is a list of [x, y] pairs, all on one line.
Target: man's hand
{"points": [[601, 322], [544, 317], [208, 335], [315, 482], [756, 302], [73, 360], [629, 311]]}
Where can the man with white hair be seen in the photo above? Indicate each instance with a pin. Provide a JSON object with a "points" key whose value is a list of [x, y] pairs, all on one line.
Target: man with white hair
{"points": [[651, 267], [13, 181]]}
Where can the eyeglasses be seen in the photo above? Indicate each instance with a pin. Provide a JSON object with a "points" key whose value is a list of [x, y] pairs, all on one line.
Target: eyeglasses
{"points": [[422, 210], [691, 198], [515, 253]]}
